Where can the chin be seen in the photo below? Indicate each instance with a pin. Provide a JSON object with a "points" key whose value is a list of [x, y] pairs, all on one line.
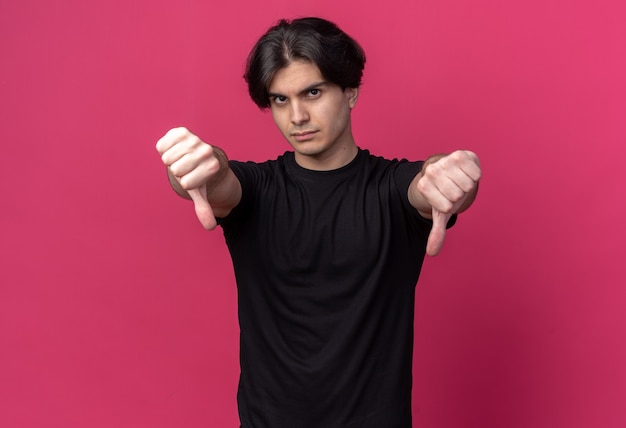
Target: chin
{"points": [[308, 148], [310, 151]]}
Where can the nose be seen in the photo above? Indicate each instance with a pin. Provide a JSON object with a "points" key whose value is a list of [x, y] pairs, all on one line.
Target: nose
{"points": [[299, 113]]}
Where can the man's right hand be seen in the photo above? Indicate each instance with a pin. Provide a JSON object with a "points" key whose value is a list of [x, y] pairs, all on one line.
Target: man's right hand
{"points": [[192, 163]]}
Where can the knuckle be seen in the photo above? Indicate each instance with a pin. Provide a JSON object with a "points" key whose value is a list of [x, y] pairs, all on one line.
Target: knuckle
{"points": [[175, 170], [445, 207], [203, 150], [213, 165], [456, 158], [458, 195], [432, 170], [470, 186], [422, 185], [473, 156], [479, 174], [185, 182], [180, 131], [178, 134]]}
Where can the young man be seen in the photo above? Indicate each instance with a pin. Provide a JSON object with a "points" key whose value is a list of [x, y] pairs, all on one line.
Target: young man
{"points": [[327, 240]]}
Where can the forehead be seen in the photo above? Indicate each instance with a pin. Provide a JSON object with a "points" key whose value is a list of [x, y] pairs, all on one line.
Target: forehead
{"points": [[295, 77]]}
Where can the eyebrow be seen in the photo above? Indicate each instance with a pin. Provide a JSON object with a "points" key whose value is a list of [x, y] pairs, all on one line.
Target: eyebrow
{"points": [[303, 91]]}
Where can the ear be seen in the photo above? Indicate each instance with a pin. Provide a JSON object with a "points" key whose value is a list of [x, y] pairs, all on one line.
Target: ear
{"points": [[352, 94]]}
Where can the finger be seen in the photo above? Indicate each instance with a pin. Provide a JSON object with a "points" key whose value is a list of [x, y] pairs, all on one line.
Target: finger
{"points": [[170, 139], [174, 153], [445, 184], [190, 170], [458, 180], [438, 232], [193, 172], [204, 212], [471, 165], [190, 147], [450, 193]]}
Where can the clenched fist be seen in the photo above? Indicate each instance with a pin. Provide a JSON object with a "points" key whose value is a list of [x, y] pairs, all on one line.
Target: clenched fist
{"points": [[192, 163], [448, 185]]}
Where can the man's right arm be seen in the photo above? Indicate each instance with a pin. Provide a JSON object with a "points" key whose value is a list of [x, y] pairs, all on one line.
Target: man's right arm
{"points": [[200, 172]]}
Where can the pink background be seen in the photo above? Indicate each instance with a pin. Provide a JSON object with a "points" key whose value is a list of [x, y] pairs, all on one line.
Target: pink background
{"points": [[118, 310]]}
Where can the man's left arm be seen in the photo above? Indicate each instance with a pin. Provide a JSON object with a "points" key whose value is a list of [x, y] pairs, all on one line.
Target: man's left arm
{"points": [[446, 185]]}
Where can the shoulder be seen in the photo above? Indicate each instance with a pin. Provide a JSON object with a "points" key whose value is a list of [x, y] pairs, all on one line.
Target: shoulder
{"points": [[245, 170], [400, 168]]}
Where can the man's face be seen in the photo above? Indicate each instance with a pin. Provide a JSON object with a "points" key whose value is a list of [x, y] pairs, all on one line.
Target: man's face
{"points": [[313, 115]]}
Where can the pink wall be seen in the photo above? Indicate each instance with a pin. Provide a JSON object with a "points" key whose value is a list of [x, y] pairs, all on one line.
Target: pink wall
{"points": [[118, 310]]}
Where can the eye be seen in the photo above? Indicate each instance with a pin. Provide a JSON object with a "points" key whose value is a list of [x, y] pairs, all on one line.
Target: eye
{"points": [[279, 99], [314, 93]]}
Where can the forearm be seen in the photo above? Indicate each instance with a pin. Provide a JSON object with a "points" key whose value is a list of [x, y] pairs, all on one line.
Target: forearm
{"points": [[215, 183], [223, 189]]}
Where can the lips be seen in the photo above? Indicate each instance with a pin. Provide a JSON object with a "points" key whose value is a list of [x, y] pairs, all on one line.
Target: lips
{"points": [[303, 135]]}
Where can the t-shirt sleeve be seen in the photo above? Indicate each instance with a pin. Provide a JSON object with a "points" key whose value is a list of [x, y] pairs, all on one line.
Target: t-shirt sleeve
{"points": [[249, 175]]}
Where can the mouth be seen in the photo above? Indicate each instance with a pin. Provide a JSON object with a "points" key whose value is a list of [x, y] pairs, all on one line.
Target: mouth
{"points": [[303, 135]]}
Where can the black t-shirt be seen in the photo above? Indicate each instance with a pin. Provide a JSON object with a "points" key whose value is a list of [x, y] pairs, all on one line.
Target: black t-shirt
{"points": [[326, 264]]}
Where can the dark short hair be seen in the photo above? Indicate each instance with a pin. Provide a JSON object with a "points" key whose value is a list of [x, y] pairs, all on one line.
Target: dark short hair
{"points": [[338, 56]]}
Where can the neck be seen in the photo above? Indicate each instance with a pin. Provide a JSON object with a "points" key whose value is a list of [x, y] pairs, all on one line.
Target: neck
{"points": [[326, 161]]}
